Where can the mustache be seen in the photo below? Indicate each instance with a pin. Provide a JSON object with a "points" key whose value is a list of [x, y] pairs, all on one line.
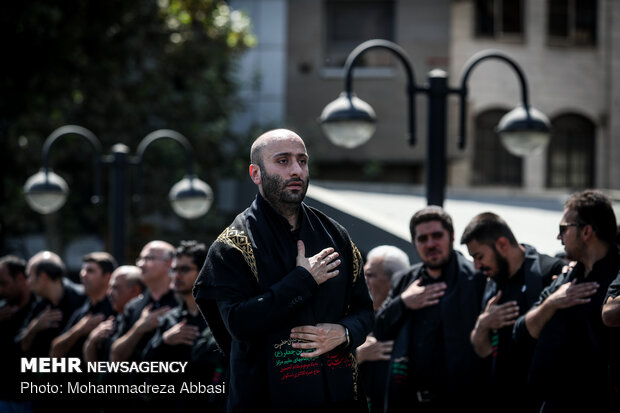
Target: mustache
{"points": [[294, 180]]}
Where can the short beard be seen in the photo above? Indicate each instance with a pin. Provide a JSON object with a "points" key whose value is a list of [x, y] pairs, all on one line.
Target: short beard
{"points": [[274, 192], [183, 292], [441, 263], [503, 268]]}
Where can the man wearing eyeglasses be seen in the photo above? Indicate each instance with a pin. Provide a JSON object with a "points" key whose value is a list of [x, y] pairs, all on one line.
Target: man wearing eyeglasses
{"points": [[572, 346], [283, 291], [141, 315], [516, 273], [429, 314], [185, 336]]}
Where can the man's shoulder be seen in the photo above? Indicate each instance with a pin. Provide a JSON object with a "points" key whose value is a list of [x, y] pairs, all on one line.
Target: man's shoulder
{"points": [[82, 309], [137, 303], [73, 288], [234, 235], [465, 266], [548, 265], [403, 278], [173, 316], [74, 293]]}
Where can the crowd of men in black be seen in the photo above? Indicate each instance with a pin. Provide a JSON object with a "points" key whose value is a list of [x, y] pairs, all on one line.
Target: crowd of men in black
{"points": [[513, 331], [116, 313]]}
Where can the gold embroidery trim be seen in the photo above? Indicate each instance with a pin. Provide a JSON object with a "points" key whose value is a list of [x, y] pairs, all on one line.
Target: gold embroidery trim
{"points": [[355, 375], [357, 259], [238, 240]]}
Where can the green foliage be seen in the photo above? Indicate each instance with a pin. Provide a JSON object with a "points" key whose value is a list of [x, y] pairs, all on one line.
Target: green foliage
{"points": [[121, 69]]}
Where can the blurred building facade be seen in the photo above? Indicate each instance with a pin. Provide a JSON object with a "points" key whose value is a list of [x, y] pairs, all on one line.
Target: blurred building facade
{"points": [[569, 51]]}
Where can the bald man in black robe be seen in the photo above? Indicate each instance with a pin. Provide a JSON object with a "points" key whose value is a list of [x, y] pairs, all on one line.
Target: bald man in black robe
{"points": [[284, 293]]}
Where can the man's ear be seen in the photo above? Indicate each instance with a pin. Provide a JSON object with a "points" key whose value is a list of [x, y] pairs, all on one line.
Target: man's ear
{"points": [[501, 245], [587, 231], [255, 174], [42, 276]]}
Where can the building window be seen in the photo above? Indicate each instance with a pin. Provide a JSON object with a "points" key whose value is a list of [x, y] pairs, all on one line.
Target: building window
{"points": [[351, 22], [493, 164], [570, 155], [501, 19], [572, 22]]}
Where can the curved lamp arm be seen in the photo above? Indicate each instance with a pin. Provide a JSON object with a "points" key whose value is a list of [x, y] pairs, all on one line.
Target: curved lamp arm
{"points": [[91, 138], [398, 51], [469, 66], [154, 136]]}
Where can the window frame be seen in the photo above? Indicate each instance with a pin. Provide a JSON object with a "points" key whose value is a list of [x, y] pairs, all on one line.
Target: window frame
{"points": [[571, 39], [497, 23], [368, 62]]}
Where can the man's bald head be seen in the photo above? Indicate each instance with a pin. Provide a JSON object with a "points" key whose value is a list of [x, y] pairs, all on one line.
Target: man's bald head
{"points": [[267, 138], [166, 248], [48, 262]]}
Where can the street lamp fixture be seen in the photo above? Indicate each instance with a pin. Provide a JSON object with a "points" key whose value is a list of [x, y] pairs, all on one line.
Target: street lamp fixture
{"points": [[190, 197], [47, 192], [524, 132], [350, 122]]}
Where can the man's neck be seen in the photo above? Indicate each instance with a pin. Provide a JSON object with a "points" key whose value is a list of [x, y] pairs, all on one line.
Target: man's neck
{"points": [[290, 211], [159, 288], [292, 216], [24, 298], [97, 298], [192, 307], [434, 273], [56, 291], [593, 255], [516, 258]]}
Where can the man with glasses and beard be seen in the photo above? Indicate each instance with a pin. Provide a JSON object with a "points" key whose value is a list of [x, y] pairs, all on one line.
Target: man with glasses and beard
{"points": [[573, 348], [516, 273], [183, 335], [283, 291], [429, 314]]}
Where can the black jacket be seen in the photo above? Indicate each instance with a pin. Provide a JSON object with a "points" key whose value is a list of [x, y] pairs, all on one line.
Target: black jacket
{"points": [[456, 314], [573, 352]]}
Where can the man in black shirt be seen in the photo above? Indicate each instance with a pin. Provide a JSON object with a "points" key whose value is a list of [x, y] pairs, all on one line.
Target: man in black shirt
{"points": [[573, 348], [125, 284], [60, 297], [185, 336], [517, 274], [383, 263], [429, 314], [611, 309], [141, 315], [16, 301], [97, 267]]}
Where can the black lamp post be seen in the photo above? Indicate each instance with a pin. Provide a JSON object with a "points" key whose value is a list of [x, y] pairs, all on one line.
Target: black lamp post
{"points": [[348, 121], [46, 192]]}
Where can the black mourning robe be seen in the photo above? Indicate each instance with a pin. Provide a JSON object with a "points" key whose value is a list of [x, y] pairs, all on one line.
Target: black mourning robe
{"points": [[252, 294]]}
